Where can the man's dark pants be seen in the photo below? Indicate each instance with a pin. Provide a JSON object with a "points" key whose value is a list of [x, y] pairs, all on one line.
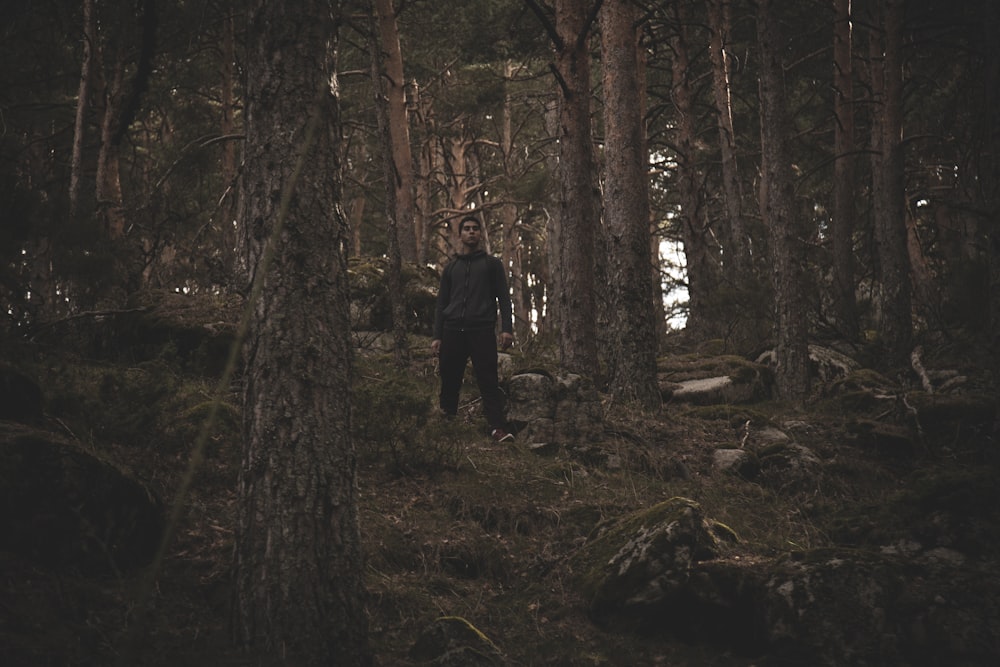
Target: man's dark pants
{"points": [[457, 347]]}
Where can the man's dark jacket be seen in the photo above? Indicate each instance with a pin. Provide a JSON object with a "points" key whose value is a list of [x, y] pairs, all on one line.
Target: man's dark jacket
{"points": [[471, 288]]}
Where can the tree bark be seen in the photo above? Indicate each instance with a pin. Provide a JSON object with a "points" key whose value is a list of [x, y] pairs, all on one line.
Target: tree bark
{"points": [[844, 182], [738, 274], [633, 348], [888, 184], [298, 577], [227, 230], [393, 85], [785, 235], [572, 257], [396, 231], [82, 102], [700, 251], [736, 243]]}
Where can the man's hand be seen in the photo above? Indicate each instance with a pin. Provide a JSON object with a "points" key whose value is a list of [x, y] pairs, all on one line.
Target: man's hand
{"points": [[435, 346], [506, 340]]}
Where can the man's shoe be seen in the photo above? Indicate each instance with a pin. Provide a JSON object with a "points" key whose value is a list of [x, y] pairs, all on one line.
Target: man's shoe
{"points": [[500, 435]]}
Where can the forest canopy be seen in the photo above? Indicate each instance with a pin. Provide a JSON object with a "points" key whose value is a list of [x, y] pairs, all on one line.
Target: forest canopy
{"points": [[855, 196]]}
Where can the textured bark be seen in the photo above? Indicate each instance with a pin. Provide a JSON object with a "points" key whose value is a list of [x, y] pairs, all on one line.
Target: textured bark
{"points": [[572, 254], [400, 155], [397, 230], [786, 242], [736, 314], [736, 243], [888, 184], [512, 258], [82, 103], [227, 207], [700, 251], [298, 576], [110, 207], [632, 352], [844, 180]]}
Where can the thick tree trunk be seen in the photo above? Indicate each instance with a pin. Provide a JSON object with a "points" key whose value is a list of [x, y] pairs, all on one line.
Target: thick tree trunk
{"points": [[400, 155], [626, 210], [785, 233], [844, 182], [572, 255], [888, 184], [700, 251], [298, 577]]}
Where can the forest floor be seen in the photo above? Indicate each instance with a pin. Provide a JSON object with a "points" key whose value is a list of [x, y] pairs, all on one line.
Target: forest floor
{"points": [[452, 524]]}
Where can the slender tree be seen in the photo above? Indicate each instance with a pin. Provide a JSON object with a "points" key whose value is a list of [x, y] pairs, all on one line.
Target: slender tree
{"points": [[701, 251], [399, 156], [844, 180], [396, 229], [299, 592], [785, 234], [889, 183], [738, 272], [626, 209]]}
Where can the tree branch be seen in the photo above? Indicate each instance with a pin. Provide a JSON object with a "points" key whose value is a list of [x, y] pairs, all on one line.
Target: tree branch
{"points": [[546, 23]]}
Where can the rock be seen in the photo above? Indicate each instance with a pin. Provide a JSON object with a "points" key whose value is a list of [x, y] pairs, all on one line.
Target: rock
{"points": [[735, 461], [553, 409], [825, 363], [715, 380], [637, 570], [65, 509]]}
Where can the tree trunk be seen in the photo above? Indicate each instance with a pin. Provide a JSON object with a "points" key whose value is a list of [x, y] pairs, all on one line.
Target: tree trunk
{"points": [[844, 182], [888, 184], [738, 271], [700, 251], [736, 243], [395, 231], [227, 208], [626, 210], [785, 235], [393, 85], [299, 596], [82, 103], [109, 186], [572, 255]]}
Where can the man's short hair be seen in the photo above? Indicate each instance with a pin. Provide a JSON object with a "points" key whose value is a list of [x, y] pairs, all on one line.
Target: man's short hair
{"points": [[469, 218]]}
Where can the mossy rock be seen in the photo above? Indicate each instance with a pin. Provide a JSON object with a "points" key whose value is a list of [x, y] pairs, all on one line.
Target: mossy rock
{"points": [[636, 569]]}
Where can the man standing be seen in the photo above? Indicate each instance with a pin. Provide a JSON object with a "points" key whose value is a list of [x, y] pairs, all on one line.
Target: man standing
{"points": [[473, 285]]}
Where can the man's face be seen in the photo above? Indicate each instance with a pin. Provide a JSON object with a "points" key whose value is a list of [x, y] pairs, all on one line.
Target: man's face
{"points": [[469, 232]]}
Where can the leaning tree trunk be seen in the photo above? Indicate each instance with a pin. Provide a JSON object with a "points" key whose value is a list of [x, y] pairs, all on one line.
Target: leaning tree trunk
{"points": [[785, 233], [299, 596], [626, 210]]}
